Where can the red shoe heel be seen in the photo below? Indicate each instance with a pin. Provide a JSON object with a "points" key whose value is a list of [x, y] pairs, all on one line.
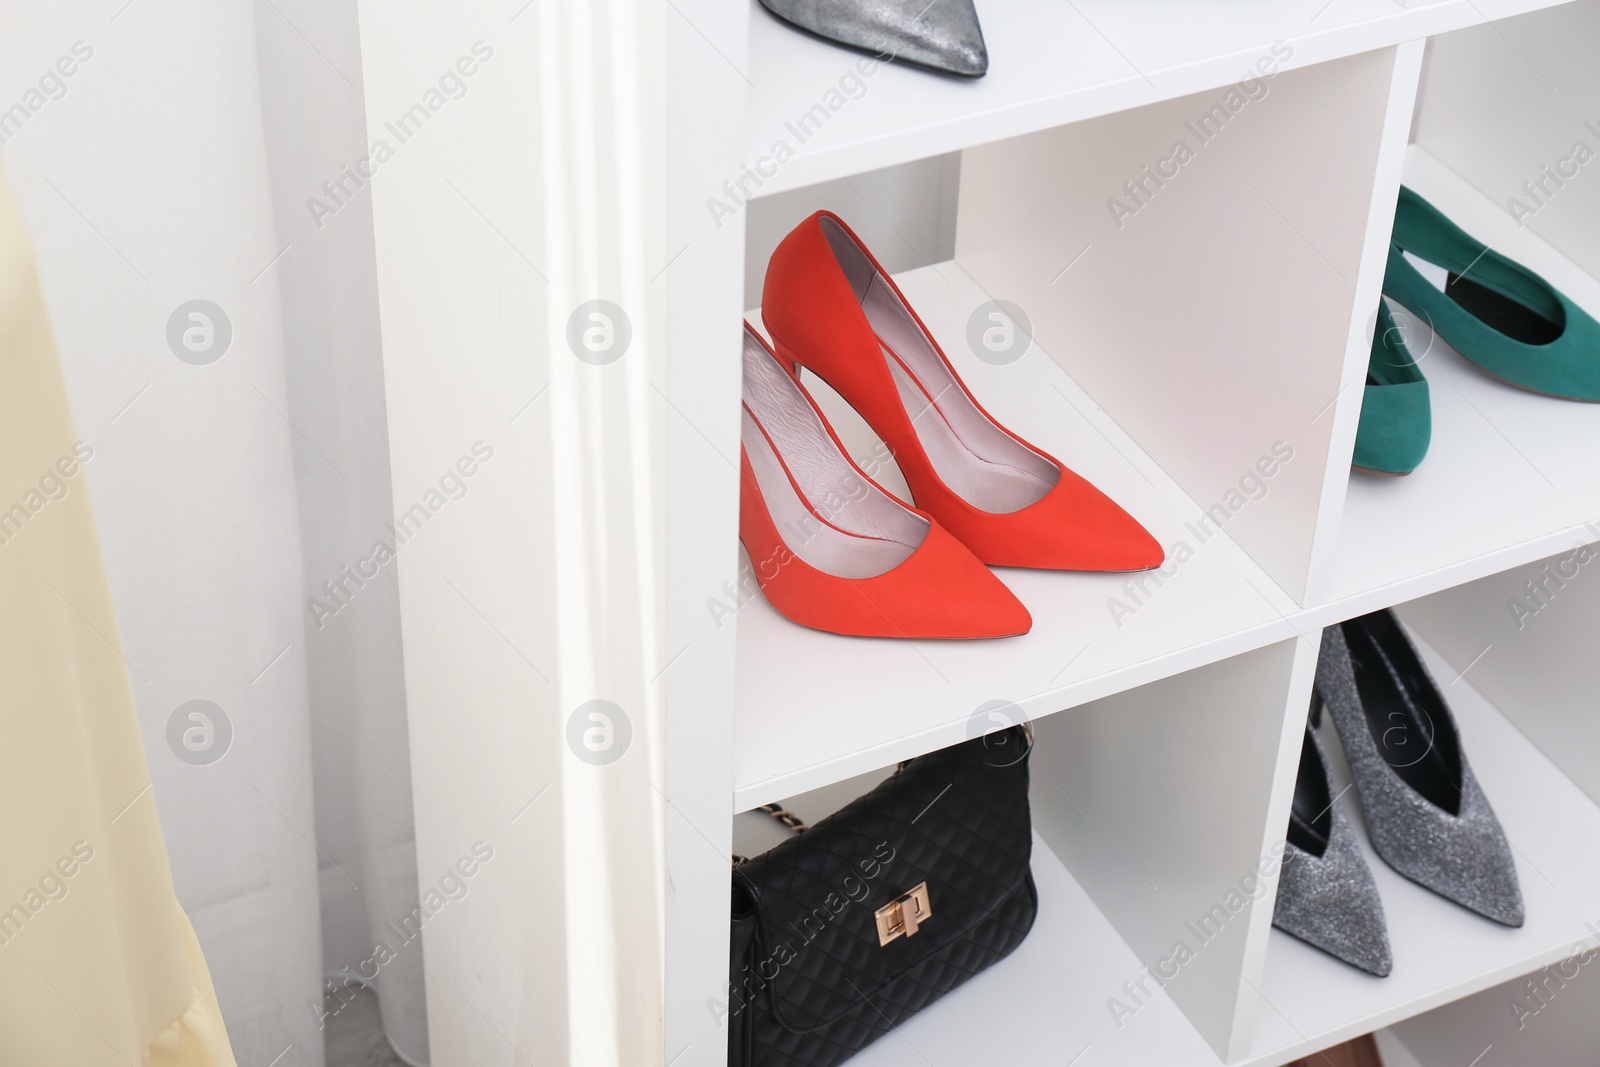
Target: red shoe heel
{"points": [[787, 360], [831, 307], [831, 549]]}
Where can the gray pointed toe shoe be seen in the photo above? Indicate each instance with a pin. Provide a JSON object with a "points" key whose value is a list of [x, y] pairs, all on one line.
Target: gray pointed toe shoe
{"points": [[1425, 813], [1326, 896], [942, 36]]}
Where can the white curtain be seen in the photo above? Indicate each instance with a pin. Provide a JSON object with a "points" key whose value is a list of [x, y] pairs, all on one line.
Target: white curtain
{"points": [[164, 152]]}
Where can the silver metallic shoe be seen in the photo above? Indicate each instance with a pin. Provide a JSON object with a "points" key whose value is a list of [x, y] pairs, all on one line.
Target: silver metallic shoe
{"points": [[1424, 811], [943, 35], [1326, 896]]}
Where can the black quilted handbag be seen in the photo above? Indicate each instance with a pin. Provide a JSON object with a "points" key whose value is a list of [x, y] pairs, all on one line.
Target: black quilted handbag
{"points": [[852, 925]]}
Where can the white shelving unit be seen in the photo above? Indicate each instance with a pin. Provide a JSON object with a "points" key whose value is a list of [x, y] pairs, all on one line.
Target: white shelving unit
{"points": [[1231, 310], [1224, 313]]}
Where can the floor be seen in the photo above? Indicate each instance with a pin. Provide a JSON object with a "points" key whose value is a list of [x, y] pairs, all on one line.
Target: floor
{"points": [[354, 1037]]}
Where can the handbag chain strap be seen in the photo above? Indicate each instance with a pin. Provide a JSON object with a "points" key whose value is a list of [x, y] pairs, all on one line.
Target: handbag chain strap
{"points": [[783, 815], [797, 824]]}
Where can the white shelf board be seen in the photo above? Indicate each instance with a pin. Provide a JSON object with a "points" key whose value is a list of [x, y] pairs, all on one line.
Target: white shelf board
{"points": [[1510, 476], [814, 708], [1442, 951], [1046, 1002], [1050, 62]]}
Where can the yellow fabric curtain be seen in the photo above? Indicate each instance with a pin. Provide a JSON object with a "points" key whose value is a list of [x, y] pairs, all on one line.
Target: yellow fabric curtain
{"points": [[98, 963]]}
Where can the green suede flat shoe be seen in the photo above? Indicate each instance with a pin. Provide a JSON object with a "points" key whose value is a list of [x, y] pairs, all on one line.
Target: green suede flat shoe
{"points": [[1396, 421], [1494, 311]]}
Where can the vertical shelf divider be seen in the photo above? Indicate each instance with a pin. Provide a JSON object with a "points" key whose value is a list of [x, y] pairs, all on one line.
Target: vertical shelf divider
{"points": [[1344, 409], [1273, 826], [703, 277]]}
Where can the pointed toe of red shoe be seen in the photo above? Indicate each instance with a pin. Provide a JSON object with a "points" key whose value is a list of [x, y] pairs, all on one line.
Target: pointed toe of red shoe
{"points": [[1004, 616], [1073, 527], [943, 591], [1093, 533], [966, 598], [1142, 552]]}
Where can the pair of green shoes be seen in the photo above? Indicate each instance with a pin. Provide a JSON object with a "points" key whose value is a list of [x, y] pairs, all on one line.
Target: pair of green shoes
{"points": [[1495, 312]]}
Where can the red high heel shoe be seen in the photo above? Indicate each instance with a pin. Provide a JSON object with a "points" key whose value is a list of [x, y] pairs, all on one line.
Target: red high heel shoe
{"points": [[830, 307], [831, 549]]}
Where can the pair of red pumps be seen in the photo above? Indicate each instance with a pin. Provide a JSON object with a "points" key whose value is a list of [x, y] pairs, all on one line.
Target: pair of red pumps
{"points": [[831, 548]]}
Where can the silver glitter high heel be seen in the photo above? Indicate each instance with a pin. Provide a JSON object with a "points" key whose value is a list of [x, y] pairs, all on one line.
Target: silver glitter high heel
{"points": [[1326, 895], [944, 36], [1424, 811]]}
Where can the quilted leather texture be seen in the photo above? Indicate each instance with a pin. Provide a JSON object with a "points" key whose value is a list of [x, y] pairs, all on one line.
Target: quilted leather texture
{"points": [[814, 986]]}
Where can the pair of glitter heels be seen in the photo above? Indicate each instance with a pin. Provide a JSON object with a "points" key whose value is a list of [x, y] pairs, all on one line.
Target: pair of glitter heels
{"points": [[1424, 811]]}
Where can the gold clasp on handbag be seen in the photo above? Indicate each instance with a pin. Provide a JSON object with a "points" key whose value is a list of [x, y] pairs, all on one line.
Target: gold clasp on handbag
{"points": [[904, 915]]}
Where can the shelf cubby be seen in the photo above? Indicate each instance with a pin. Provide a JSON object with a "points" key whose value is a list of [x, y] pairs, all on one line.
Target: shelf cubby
{"points": [[1503, 483], [1443, 952], [1202, 267], [1048, 998], [1154, 817], [816, 707]]}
